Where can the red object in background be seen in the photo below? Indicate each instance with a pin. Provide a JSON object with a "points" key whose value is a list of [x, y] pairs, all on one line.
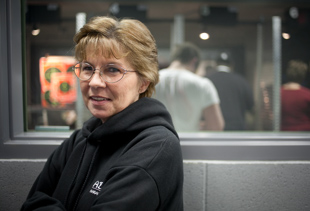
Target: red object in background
{"points": [[63, 87], [58, 81]]}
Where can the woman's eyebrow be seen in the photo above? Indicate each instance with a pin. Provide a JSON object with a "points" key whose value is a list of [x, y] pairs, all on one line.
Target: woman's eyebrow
{"points": [[85, 61], [108, 62]]}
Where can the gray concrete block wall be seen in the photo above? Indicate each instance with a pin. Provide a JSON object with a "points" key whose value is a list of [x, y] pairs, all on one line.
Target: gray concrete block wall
{"points": [[208, 185], [16, 178], [247, 186], [194, 188]]}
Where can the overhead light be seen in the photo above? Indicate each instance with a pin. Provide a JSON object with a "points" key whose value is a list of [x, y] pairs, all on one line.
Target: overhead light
{"points": [[294, 13], [35, 30], [204, 36], [286, 35], [114, 8], [224, 56]]}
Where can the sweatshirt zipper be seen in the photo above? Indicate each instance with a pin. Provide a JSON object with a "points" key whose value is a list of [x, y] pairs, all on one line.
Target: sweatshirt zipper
{"points": [[76, 173], [86, 179]]}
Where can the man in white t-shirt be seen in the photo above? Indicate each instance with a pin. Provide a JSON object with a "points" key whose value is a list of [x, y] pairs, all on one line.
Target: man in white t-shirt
{"points": [[187, 96]]}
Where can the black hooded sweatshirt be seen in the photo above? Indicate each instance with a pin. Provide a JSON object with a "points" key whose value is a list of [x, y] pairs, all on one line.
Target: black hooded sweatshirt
{"points": [[131, 162]]}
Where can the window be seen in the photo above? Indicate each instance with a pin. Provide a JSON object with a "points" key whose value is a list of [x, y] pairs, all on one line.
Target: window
{"points": [[21, 105]]}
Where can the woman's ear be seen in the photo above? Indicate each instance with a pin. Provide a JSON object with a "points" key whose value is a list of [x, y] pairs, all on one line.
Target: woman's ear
{"points": [[144, 85]]}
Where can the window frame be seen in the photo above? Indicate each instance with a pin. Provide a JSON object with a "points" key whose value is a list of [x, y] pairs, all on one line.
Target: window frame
{"points": [[17, 144]]}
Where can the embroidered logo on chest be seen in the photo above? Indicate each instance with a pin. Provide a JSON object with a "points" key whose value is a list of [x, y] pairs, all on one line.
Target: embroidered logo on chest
{"points": [[96, 188]]}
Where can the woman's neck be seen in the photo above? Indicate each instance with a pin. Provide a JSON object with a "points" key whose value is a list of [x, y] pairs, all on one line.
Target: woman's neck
{"points": [[179, 65], [291, 86]]}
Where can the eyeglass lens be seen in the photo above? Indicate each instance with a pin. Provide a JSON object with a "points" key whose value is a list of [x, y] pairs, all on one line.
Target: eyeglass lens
{"points": [[110, 73]]}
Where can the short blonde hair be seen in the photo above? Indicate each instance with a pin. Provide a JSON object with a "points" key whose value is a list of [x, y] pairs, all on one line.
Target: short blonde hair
{"points": [[121, 38]]}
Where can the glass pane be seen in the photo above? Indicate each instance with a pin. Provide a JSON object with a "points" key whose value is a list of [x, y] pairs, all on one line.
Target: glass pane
{"points": [[242, 32]]}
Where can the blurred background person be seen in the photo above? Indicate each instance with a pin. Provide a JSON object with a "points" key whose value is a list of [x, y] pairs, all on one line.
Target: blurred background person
{"points": [[295, 98], [235, 94], [186, 95]]}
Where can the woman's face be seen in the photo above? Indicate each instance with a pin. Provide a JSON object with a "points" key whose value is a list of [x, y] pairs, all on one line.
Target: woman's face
{"points": [[107, 99]]}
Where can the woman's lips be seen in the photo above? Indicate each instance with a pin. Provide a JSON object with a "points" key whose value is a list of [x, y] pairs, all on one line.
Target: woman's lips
{"points": [[99, 100]]}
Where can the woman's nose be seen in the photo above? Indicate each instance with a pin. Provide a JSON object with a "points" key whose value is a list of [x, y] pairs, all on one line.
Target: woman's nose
{"points": [[97, 80]]}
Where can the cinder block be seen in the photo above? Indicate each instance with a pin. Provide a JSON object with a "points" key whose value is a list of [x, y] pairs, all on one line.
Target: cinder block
{"points": [[194, 185], [16, 179]]}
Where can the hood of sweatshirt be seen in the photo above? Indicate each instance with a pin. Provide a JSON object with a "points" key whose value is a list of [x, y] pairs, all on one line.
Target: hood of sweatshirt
{"points": [[140, 115]]}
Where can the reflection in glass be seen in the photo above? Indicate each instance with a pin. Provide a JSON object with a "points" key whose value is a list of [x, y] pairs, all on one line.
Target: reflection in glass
{"points": [[246, 36]]}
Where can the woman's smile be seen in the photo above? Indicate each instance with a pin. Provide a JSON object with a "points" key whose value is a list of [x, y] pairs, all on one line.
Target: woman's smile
{"points": [[98, 100]]}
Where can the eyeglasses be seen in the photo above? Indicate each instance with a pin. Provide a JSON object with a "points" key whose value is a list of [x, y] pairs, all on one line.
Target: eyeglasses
{"points": [[110, 73]]}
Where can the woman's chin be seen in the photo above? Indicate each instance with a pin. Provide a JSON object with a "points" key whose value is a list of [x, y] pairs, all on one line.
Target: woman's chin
{"points": [[99, 114]]}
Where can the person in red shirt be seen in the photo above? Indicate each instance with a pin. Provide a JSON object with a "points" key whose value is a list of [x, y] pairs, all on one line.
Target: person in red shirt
{"points": [[295, 99]]}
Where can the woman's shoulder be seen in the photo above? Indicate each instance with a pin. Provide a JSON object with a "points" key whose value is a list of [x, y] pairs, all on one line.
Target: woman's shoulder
{"points": [[161, 134], [305, 89], [150, 145]]}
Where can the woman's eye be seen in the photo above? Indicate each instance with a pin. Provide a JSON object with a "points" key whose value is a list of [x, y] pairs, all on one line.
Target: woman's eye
{"points": [[112, 70], [87, 68]]}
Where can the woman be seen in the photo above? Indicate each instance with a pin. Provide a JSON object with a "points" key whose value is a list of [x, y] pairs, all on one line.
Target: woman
{"points": [[127, 156], [295, 99]]}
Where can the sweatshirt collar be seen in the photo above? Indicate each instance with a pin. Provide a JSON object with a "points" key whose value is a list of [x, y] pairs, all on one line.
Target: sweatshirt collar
{"points": [[142, 114]]}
